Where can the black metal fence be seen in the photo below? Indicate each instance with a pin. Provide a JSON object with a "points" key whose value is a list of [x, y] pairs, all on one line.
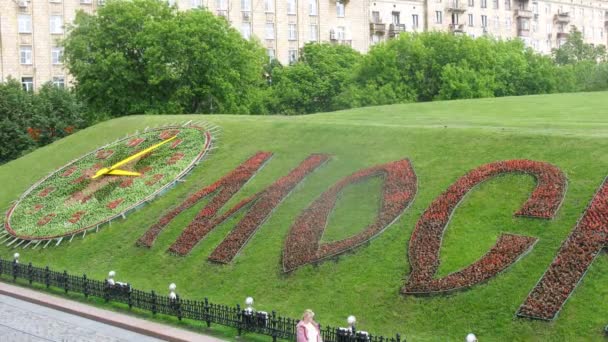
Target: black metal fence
{"points": [[244, 320]]}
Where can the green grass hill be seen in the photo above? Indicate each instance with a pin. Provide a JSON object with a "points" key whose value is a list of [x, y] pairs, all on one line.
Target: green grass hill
{"points": [[443, 140]]}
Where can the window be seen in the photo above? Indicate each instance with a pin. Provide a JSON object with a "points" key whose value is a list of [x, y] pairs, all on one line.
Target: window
{"points": [[471, 3], [59, 81], [508, 23], [495, 4], [535, 8], [396, 19], [56, 24], [376, 17], [414, 21], [496, 22], [312, 7], [269, 32], [197, 3], [246, 5], [471, 20], [508, 4], [375, 39], [222, 5], [57, 55], [25, 23], [340, 33], [85, 2], [270, 53], [313, 33], [484, 21], [25, 55], [171, 3], [484, 3], [246, 30], [269, 6], [291, 6], [27, 83], [292, 32], [534, 26], [292, 55], [340, 9], [438, 17], [549, 28]]}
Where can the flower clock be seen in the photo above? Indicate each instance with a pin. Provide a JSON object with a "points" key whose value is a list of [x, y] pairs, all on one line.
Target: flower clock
{"points": [[106, 184]]}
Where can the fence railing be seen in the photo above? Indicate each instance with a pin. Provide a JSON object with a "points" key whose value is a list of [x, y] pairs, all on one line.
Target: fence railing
{"points": [[244, 320]]}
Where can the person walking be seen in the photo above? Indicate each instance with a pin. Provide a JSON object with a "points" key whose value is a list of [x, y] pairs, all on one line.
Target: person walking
{"points": [[307, 329]]}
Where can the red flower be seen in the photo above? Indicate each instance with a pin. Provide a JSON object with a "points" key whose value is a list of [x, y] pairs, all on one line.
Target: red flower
{"points": [[425, 241]]}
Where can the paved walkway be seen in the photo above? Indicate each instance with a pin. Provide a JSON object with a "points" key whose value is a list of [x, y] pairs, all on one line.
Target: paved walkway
{"points": [[27, 315]]}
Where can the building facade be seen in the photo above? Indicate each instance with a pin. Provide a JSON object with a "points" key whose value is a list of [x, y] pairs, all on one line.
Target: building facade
{"points": [[30, 30]]}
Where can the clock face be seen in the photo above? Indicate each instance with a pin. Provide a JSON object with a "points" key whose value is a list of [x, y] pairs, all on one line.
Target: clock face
{"points": [[93, 190]]}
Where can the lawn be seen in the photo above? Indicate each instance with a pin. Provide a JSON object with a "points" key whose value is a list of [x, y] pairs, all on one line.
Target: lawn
{"points": [[443, 140]]}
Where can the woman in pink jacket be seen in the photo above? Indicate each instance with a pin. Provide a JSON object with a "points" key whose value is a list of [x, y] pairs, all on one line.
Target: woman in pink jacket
{"points": [[307, 329]]}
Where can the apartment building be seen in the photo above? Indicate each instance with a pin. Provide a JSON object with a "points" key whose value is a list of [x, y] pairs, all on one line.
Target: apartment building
{"points": [[543, 25], [30, 30]]}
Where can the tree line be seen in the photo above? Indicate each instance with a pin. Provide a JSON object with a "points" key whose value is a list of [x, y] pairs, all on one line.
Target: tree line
{"points": [[146, 57]]}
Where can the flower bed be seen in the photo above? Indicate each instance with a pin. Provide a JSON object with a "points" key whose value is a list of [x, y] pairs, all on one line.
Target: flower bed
{"points": [[76, 191], [303, 242], [46, 191], [226, 187], [572, 261], [104, 154], [77, 216], [426, 238], [46, 219], [262, 204]]}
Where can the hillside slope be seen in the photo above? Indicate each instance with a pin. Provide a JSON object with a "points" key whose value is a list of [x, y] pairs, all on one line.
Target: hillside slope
{"points": [[443, 140]]}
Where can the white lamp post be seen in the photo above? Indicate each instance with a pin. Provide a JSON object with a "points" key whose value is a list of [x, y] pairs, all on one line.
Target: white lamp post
{"points": [[471, 338], [110, 279], [172, 288], [249, 304], [351, 320], [16, 258]]}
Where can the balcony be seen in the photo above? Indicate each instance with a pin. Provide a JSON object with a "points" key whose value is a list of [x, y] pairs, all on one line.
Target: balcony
{"points": [[523, 13], [523, 32], [395, 29], [457, 28], [562, 18], [562, 35], [456, 6], [379, 28]]}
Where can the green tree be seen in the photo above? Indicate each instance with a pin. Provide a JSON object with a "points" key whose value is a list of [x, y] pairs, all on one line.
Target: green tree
{"points": [[16, 108], [312, 84], [142, 56], [575, 50]]}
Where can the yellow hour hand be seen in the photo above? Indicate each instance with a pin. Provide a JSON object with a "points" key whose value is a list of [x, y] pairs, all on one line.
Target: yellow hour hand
{"points": [[109, 170]]}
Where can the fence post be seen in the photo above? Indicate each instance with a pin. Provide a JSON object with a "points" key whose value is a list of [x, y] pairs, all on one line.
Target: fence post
{"points": [[178, 302], [207, 316], [129, 299], [399, 338], [273, 326], [15, 269], [1, 266], [239, 317], [47, 277], [153, 303], [85, 286], [29, 273], [65, 281]]}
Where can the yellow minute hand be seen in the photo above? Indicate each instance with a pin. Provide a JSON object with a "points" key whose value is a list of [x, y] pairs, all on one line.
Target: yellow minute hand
{"points": [[107, 170]]}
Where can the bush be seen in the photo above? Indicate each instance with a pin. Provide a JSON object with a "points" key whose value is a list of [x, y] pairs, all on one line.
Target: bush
{"points": [[29, 120]]}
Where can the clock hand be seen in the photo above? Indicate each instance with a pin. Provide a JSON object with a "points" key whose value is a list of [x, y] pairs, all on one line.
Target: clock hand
{"points": [[107, 170], [118, 172]]}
